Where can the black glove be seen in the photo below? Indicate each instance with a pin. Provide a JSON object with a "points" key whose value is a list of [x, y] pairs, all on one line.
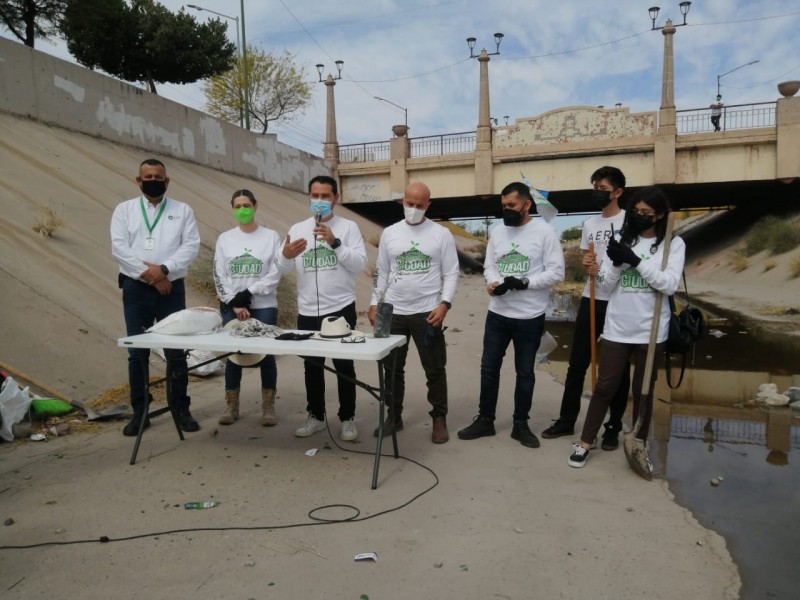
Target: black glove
{"points": [[620, 253], [501, 289], [516, 284], [241, 299]]}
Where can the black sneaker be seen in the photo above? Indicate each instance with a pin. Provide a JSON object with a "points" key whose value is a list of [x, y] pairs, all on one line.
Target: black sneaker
{"points": [[558, 429], [578, 457], [481, 427], [187, 422], [523, 434], [132, 427], [610, 439]]}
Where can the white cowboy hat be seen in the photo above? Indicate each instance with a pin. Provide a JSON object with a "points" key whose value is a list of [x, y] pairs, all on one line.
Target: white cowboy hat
{"points": [[334, 329], [243, 360]]}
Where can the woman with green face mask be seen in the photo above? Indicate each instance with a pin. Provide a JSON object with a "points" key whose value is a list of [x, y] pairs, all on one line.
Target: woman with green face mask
{"points": [[246, 279]]}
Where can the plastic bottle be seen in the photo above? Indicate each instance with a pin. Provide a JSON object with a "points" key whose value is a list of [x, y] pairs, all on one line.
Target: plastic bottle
{"points": [[206, 504]]}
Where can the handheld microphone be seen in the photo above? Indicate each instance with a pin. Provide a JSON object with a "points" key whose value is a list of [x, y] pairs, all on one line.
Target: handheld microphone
{"points": [[317, 221]]}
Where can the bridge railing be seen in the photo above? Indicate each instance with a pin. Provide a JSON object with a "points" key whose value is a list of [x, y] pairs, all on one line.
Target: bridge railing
{"points": [[437, 145], [366, 152], [735, 116]]}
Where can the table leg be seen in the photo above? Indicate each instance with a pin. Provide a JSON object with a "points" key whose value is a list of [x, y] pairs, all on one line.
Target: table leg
{"points": [[170, 404], [381, 416], [145, 362]]}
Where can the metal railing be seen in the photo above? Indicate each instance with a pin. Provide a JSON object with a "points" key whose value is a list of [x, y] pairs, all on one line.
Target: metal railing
{"points": [[367, 152], [719, 430], [735, 116], [437, 145]]}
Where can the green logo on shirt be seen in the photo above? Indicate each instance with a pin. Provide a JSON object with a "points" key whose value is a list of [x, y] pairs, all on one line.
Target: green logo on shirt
{"points": [[513, 262], [321, 258], [413, 261], [246, 265], [632, 281]]}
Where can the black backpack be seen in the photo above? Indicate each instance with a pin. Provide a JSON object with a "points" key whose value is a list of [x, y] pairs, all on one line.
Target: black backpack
{"points": [[685, 330]]}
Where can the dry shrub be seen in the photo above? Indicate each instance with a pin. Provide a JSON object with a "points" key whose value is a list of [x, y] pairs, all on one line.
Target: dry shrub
{"points": [[201, 274], [48, 221], [794, 268], [773, 233], [573, 264], [769, 265], [287, 301], [739, 261]]}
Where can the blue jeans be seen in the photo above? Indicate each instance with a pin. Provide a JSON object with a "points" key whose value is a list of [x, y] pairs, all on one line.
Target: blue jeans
{"points": [[143, 306], [498, 333], [269, 370]]}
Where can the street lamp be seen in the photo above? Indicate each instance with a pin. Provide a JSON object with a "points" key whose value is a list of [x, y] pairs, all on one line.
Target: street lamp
{"points": [[242, 52], [498, 37], [732, 70], [405, 110], [339, 66], [653, 10]]}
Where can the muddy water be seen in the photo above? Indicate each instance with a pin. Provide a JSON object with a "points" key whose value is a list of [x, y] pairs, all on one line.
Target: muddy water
{"points": [[711, 431]]}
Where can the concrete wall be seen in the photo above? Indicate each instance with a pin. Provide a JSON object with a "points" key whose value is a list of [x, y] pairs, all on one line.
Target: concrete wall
{"points": [[44, 88]]}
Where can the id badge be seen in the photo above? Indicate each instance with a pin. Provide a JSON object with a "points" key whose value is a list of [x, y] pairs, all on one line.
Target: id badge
{"points": [[150, 243]]}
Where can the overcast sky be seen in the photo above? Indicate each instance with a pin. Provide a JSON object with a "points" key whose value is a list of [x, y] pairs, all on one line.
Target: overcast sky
{"points": [[554, 54]]}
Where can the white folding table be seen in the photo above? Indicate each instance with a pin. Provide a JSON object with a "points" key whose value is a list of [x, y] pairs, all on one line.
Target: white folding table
{"points": [[225, 344]]}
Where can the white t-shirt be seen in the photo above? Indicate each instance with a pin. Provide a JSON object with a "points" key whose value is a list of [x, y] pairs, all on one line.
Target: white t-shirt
{"points": [[531, 251], [246, 261], [173, 242], [417, 267], [326, 277], [630, 308], [597, 229]]}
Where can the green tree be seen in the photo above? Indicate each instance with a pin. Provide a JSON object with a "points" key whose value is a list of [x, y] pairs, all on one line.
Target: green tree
{"points": [[277, 90], [31, 19], [141, 40], [573, 233]]}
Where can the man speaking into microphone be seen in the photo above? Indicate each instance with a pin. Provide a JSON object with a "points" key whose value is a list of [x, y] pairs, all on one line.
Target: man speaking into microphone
{"points": [[327, 252]]}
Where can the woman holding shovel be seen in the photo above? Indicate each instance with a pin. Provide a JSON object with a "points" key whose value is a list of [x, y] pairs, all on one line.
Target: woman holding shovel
{"points": [[641, 267]]}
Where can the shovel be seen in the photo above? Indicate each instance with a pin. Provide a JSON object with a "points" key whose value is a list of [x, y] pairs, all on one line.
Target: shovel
{"points": [[106, 413], [636, 449]]}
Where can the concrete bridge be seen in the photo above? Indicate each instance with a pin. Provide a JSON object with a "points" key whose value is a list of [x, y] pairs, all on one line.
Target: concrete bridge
{"points": [[755, 156]]}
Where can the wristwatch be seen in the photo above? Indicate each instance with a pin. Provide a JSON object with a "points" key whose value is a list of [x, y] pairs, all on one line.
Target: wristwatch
{"points": [[336, 243], [447, 304], [164, 270]]}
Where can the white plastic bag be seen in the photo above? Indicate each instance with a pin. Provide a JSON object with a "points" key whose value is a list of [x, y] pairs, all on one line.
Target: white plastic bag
{"points": [[14, 405], [189, 321], [195, 358]]}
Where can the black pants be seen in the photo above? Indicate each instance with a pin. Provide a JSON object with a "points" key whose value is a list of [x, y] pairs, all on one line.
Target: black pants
{"points": [[315, 374], [580, 359]]}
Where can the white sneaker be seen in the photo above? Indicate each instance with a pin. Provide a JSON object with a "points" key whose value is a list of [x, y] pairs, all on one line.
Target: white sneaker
{"points": [[310, 427], [349, 432], [578, 457]]}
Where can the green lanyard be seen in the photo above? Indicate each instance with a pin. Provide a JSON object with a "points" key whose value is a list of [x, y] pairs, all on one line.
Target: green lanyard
{"points": [[158, 216]]}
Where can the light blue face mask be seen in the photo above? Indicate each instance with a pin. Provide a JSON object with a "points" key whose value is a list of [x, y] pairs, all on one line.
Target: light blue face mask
{"points": [[323, 207]]}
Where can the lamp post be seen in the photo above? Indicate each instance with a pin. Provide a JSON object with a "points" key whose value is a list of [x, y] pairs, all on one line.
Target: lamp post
{"points": [[405, 110], [331, 149], [246, 70], [238, 45], [732, 70], [498, 37], [668, 71]]}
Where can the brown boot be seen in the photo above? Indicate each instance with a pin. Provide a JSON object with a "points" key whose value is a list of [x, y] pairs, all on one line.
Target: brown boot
{"points": [[268, 416], [232, 409], [439, 434]]}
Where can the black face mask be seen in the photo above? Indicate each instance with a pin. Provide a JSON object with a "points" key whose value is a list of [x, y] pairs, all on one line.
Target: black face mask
{"points": [[153, 188], [639, 223], [601, 198], [512, 218]]}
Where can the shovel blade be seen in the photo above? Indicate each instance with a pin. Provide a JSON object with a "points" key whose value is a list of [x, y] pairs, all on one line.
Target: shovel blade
{"points": [[636, 455]]}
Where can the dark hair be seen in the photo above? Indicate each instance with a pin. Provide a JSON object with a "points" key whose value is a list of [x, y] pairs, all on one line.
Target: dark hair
{"points": [[325, 180], [246, 193], [152, 162], [522, 190], [613, 174], [656, 199]]}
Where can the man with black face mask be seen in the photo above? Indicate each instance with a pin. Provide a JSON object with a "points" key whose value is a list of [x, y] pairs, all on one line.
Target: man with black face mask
{"points": [[523, 261], [154, 239], [608, 186]]}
